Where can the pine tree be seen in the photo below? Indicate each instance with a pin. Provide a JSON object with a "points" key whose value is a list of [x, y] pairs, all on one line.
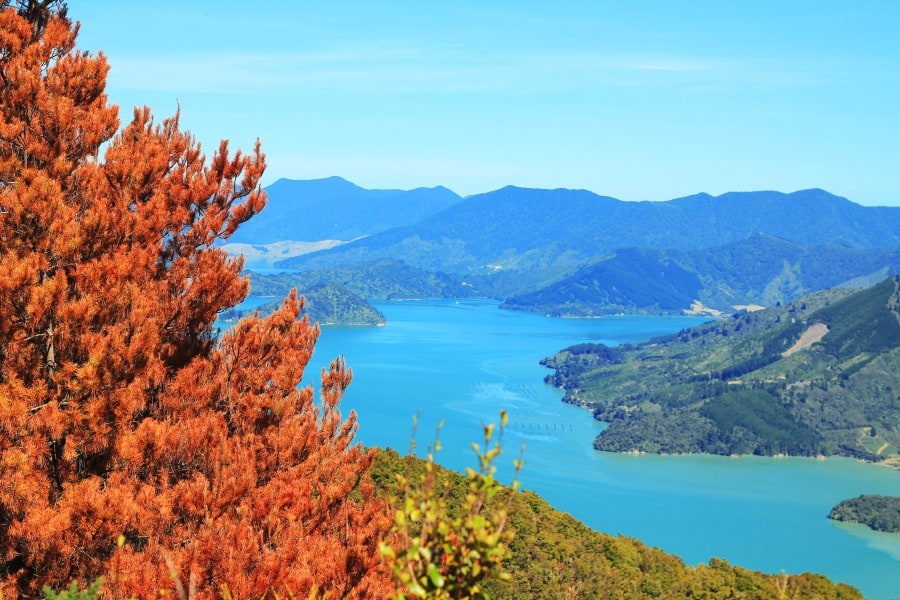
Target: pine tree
{"points": [[136, 444]]}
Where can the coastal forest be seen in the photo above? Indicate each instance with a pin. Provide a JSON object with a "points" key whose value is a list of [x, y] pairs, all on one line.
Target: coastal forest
{"points": [[143, 453], [881, 513], [812, 377]]}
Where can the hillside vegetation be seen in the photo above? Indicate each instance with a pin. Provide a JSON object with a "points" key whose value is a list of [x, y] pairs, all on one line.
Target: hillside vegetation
{"points": [[732, 387], [382, 279], [325, 303], [881, 513], [759, 270], [554, 556], [633, 281]]}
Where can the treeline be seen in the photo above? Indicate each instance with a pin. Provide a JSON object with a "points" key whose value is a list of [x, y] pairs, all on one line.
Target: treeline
{"points": [[761, 415], [846, 339], [881, 513], [744, 421]]}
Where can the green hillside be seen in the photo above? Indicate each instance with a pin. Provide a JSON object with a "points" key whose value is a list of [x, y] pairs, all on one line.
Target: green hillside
{"points": [[383, 279], [761, 270], [881, 513], [554, 556], [764, 269], [817, 376], [326, 303], [634, 281]]}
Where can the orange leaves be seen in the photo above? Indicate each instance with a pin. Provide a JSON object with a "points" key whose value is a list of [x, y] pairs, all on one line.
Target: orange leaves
{"points": [[14, 34], [264, 360], [275, 466], [122, 416], [334, 381], [52, 110]]}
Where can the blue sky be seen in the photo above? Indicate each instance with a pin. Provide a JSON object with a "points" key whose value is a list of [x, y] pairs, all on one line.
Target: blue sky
{"points": [[639, 100]]}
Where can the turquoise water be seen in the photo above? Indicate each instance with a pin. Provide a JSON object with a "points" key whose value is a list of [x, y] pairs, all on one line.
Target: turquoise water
{"points": [[462, 362]]}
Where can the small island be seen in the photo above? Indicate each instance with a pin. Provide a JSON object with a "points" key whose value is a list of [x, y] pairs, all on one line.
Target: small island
{"points": [[881, 513]]}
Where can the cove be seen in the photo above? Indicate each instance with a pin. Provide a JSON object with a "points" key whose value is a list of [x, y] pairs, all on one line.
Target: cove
{"points": [[461, 362]]}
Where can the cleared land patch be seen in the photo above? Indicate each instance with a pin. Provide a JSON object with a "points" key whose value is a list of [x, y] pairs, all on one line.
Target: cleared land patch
{"points": [[812, 335]]}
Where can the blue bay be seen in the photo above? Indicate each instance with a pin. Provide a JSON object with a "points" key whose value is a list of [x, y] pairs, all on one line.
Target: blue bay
{"points": [[461, 362]]}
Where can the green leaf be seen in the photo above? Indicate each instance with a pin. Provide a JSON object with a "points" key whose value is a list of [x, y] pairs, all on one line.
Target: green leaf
{"points": [[435, 576]]}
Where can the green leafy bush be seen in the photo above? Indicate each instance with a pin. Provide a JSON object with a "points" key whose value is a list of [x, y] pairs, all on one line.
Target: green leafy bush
{"points": [[446, 553]]}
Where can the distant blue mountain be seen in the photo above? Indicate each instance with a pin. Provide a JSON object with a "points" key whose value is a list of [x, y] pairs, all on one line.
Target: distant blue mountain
{"points": [[518, 229], [335, 209]]}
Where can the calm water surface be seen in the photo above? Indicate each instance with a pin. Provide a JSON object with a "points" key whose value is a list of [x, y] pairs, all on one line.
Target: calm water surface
{"points": [[462, 362]]}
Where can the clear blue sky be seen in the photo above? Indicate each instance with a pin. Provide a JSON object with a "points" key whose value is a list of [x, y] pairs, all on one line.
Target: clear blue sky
{"points": [[640, 100]]}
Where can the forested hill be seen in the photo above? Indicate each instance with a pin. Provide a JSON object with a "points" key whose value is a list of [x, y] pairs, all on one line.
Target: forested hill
{"points": [[325, 303], [554, 556], [762, 269], [881, 513], [525, 229], [820, 375], [384, 279]]}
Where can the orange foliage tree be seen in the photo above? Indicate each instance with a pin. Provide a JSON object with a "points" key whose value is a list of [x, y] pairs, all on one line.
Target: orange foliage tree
{"points": [[134, 442]]}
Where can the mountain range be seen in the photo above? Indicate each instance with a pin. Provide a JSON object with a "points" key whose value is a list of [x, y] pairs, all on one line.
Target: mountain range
{"points": [[516, 228], [572, 252]]}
